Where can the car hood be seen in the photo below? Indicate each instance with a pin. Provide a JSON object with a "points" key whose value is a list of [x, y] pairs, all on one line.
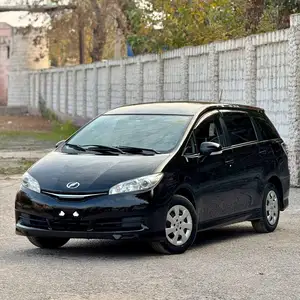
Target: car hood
{"points": [[95, 173]]}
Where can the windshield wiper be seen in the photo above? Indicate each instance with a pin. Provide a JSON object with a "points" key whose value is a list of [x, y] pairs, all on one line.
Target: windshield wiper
{"points": [[102, 148], [137, 150], [76, 147]]}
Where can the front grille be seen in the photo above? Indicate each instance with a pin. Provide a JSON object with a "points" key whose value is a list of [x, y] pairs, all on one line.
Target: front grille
{"points": [[71, 224], [73, 197]]}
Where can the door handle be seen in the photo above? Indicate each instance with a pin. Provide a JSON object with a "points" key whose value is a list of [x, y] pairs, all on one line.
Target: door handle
{"points": [[229, 162], [263, 152]]}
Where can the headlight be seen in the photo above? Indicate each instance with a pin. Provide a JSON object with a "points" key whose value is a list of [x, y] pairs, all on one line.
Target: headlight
{"points": [[29, 182], [136, 185]]}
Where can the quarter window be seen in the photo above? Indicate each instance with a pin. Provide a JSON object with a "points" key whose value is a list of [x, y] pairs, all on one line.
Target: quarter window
{"points": [[240, 128], [267, 130]]}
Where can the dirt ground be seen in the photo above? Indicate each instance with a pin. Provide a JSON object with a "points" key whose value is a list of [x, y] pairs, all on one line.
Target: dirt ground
{"points": [[24, 123], [19, 148]]}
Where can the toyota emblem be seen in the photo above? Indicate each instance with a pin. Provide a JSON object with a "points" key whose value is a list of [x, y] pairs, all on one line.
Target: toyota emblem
{"points": [[73, 185]]}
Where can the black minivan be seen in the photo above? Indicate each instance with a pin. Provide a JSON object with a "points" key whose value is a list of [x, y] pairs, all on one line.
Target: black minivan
{"points": [[160, 172]]}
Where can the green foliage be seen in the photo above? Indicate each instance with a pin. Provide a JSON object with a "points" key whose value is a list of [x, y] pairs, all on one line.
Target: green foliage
{"points": [[185, 23], [189, 23], [60, 130], [64, 130]]}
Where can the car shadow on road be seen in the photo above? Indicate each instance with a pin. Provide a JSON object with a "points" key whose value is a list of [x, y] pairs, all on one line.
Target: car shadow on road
{"points": [[221, 235], [136, 249]]}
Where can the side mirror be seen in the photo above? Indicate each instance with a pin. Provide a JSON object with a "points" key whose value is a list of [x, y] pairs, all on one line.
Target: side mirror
{"points": [[210, 148], [59, 143]]}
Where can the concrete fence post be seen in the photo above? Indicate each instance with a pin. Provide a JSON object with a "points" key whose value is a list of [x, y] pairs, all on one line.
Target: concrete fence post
{"points": [[51, 91], [123, 83], [58, 88], [32, 89], [294, 98], [250, 72], [213, 69], [160, 79], [140, 81], [108, 87], [95, 91], [66, 86], [36, 103], [84, 88], [45, 91], [184, 77], [47, 96], [74, 86]]}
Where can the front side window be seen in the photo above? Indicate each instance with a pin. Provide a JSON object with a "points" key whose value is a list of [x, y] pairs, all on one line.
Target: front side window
{"points": [[161, 133], [239, 127], [209, 130]]}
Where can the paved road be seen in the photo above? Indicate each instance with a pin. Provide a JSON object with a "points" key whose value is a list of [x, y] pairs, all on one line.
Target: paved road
{"points": [[230, 263]]}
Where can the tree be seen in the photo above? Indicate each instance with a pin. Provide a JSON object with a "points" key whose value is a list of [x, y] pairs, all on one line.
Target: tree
{"points": [[280, 11], [100, 20], [85, 28], [88, 23], [155, 25], [178, 23]]}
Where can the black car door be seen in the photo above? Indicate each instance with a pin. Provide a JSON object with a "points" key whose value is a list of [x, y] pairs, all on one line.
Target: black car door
{"points": [[211, 176], [246, 166]]}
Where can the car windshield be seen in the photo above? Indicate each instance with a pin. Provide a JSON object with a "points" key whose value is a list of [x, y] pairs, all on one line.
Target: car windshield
{"points": [[161, 133]]}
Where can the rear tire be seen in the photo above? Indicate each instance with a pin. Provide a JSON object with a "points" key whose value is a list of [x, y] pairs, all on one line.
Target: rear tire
{"points": [[47, 243], [270, 211], [180, 227]]}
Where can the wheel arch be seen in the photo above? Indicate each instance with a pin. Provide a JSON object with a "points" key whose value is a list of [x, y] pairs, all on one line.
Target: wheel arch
{"points": [[186, 192]]}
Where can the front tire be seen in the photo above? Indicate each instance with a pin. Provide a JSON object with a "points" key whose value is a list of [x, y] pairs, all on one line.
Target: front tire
{"points": [[180, 227], [47, 243], [270, 211]]}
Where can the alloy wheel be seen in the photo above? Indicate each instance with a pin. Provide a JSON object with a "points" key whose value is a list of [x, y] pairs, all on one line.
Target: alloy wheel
{"points": [[272, 207], [179, 225]]}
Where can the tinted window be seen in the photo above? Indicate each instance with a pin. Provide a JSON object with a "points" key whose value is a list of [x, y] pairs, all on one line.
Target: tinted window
{"points": [[240, 128], [159, 132], [266, 128]]}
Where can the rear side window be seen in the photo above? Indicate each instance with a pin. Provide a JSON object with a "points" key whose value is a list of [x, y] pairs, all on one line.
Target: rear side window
{"points": [[240, 128], [266, 128]]}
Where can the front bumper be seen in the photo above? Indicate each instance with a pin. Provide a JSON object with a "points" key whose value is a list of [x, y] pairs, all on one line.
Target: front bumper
{"points": [[101, 217]]}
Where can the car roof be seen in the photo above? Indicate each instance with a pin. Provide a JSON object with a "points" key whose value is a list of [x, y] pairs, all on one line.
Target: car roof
{"points": [[176, 108]]}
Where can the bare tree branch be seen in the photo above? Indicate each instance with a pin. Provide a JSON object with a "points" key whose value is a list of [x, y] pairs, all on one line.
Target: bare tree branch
{"points": [[36, 9]]}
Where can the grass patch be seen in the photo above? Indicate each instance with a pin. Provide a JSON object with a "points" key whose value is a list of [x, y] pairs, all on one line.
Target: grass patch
{"points": [[16, 168], [60, 131]]}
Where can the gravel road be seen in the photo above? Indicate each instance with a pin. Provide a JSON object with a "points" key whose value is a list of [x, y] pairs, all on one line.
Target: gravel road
{"points": [[229, 263]]}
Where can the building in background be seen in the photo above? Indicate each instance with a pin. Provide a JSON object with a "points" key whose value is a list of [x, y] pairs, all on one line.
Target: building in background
{"points": [[21, 48], [5, 52]]}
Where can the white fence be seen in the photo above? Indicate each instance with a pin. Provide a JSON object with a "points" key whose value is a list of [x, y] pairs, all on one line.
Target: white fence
{"points": [[261, 70]]}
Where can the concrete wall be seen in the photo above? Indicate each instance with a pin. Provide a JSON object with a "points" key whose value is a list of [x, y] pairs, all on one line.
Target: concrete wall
{"points": [[261, 70]]}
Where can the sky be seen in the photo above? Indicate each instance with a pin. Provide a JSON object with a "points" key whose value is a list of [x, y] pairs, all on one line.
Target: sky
{"points": [[21, 19]]}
